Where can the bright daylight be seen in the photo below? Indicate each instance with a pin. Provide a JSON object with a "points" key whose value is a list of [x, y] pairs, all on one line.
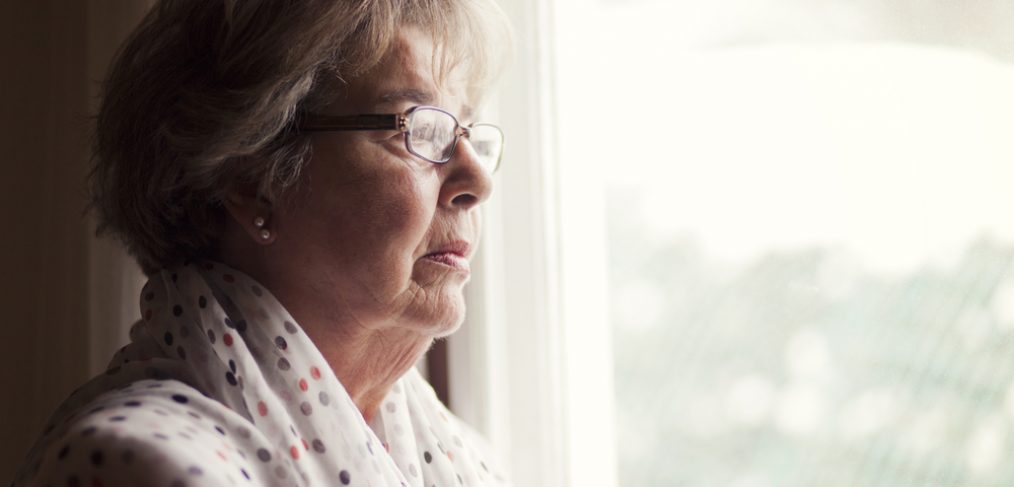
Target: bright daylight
{"points": [[810, 236]]}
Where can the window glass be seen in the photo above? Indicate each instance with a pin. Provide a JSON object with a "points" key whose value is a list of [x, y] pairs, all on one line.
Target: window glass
{"points": [[810, 230]]}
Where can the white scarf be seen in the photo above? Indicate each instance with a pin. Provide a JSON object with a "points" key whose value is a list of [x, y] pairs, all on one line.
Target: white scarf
{"points": [[218, 331]]}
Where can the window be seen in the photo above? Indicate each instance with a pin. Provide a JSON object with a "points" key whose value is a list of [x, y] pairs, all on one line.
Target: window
{"points": [[753, 244]]}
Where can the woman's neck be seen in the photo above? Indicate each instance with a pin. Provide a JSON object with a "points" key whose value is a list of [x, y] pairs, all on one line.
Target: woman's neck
{"points": [[367, 358], [368, 363]]}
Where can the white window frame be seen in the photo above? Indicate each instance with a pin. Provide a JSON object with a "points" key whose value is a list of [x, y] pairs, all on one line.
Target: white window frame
{"points": [[532, 366]]}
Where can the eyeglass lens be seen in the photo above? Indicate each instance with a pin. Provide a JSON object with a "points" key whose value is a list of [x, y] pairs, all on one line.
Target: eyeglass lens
{"points": [[431, 135]]}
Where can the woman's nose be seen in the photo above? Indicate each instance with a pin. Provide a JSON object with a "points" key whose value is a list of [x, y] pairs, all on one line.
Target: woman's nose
{"points": [[468, 182]]}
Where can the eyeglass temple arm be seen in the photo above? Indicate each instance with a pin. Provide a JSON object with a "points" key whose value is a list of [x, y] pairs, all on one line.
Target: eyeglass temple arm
{"points": [[320, 123]]}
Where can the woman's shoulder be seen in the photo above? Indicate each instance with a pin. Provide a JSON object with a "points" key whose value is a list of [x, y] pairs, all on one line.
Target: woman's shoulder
{"points": [[149, 433]]}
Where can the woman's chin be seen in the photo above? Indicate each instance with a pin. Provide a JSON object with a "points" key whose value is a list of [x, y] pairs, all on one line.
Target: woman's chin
{"points": [[444, 316]]}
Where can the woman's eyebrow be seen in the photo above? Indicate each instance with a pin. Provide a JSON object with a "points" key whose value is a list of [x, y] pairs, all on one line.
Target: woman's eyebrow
{"points": [[414, 95], [419, 97]]}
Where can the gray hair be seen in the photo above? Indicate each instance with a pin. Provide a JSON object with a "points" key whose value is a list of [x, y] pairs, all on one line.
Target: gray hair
{"points": [[203, 95]]}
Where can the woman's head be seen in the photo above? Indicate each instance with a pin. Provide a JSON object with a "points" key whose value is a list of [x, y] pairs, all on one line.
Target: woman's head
{"points": [[203, 98], [372, 235]]}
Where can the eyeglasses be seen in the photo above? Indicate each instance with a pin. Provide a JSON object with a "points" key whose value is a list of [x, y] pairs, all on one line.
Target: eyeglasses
{"points": [[430, 132]]}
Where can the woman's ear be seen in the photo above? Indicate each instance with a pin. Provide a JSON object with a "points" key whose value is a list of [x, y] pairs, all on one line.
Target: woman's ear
{"points": [[251, 211]]}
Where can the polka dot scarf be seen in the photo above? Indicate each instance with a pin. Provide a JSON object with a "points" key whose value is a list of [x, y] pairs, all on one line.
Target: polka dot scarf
{"points": [[220, 386]]}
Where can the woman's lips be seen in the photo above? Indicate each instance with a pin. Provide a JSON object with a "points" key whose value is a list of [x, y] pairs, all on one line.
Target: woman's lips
{"points": [[449, 259]]}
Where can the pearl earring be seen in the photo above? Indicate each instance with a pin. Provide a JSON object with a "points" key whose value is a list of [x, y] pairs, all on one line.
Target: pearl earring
{"points": [[259, 223]]}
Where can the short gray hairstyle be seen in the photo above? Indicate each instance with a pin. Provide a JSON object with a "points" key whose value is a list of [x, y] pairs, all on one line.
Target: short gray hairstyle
{"points": [[204, 94]]}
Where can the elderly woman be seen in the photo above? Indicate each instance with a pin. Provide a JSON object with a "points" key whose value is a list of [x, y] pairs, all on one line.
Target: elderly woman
{"points": [[301, 181]]}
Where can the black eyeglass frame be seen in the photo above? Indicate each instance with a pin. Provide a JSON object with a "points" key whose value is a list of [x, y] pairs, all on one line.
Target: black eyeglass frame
{"points": [[394, 121]]}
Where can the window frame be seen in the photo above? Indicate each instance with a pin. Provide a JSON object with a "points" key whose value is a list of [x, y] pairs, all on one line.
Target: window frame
{"points": [[531, 368]]}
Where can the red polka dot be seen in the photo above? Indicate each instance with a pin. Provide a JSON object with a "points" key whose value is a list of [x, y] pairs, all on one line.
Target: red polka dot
{"points": [[262, 408], [306, 446], [227, 340], [303, 386], [220, 454], [315, 372], [450, 455], [294, 452]]}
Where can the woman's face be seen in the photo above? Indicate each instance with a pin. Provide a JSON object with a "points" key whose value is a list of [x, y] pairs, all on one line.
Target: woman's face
{"points": [[373, 234]]}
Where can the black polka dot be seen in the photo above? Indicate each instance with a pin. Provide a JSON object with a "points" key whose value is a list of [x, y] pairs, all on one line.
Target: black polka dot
{"points": [[427, 457], [202, 302], [161, 436], [230, 378], [219, 430], [96, 458], [177, 310], [318, 446], [132, 404], [290, 327], [232, 365], [211, 336], [264, 455], [283, 364], [344, 477], [195, 471], [306, 408], [280, 343], [245, 475], [180, 398], [229, 323], [324, 399], [118, 418]]}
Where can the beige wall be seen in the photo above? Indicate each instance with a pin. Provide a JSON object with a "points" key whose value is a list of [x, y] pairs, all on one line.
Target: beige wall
{"points": [[61, 292]]}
